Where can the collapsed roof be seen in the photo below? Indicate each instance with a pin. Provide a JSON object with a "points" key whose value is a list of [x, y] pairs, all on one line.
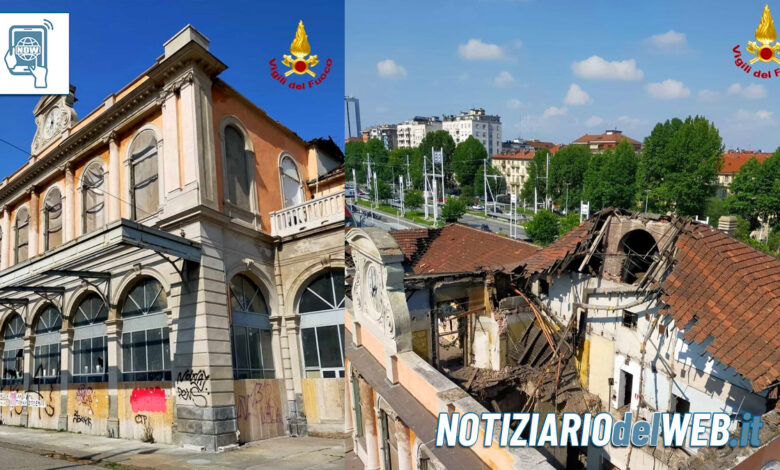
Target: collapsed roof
{"points": [[719, 290]]}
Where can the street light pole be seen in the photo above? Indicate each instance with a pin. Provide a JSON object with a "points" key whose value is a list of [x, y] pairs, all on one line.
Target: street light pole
{"points": [[647, 193]]}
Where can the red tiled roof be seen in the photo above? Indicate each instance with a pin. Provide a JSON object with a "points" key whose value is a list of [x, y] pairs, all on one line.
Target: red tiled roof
{"points": [[538, 144], [457, 248], [734, 292], [556, 148], [733, 161], [559, 249], [521, 155], [606, 138]]}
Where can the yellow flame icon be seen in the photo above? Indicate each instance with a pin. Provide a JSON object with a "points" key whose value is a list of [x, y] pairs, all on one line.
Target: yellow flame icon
{"points": [[765, 33], [300, 45]]}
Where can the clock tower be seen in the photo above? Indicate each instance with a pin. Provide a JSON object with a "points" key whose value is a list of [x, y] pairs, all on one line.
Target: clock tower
{"points": [[54, 114]]}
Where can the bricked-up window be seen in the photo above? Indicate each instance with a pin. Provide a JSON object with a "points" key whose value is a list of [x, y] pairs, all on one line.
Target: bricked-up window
{"points": [[89, 341], [52, 220], [13, 351], [292, 191], [144, 184], [22, 236], [321, 307], [239, 177], [145, 345], [46, 356], [250, 332], [92, 197]]}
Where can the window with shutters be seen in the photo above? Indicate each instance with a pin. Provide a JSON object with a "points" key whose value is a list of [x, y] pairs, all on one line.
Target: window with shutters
{"points": [[144, 181], [93, 197], [21, 227], [13, 351], [46, 356], [238, 186], [52, 220], [292, 191]]}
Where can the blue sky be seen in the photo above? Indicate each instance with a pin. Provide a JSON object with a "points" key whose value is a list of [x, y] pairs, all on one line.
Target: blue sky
{"points": [[111, 43], [557, 70]]}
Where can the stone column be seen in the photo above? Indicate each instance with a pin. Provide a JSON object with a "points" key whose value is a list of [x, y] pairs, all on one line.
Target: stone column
{"points": [[68, 205], [189, 126], [349, 427], [170, 137], [114, 193], [5, 243], [66, 340], [29, 347], [404, 447], [198, 136], [33, 228], [370, 428], [113, 331]]}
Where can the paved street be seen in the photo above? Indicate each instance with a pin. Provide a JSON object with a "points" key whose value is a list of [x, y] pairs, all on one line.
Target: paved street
{"points": [[26, 448]]}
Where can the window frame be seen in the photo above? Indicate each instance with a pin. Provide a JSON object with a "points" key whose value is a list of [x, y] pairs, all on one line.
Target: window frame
{"points": [[249, 321], [288, 156], [49, 341], [130, 164], [318, 319], [89, 332], [232, 208], [13, 344], [84, 189], [153, 318], [17, 229], [47, 218]]}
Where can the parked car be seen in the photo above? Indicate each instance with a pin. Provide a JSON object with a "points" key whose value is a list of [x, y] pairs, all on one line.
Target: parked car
{"points": [[485, 227], [477, 207]]}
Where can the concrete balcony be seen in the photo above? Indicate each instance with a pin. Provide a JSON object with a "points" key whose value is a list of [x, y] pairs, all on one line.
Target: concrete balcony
{"points": [[308, 215]]}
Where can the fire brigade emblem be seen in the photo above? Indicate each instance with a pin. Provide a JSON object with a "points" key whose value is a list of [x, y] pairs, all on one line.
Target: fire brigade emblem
{"points": [[299, 49], [763, 48]]}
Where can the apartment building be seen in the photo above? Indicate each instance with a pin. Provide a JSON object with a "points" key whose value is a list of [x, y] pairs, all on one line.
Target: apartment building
{"points": [[732, 162], [475, 123], [598, 143], [172, 266], [412, 132], [514, 167]]}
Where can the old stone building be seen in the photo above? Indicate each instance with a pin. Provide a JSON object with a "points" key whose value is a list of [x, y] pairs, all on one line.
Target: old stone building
{"points": [[172, 266]]}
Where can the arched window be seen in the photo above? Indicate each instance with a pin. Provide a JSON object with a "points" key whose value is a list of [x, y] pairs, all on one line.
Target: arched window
{"points": [[144, 184], [292, 192], [13, 351], [239, 176], [92, 197], [52, 220], [250, 331], [146, 352], [321, 307], [46, 357], [89, 340], [22, 236]]}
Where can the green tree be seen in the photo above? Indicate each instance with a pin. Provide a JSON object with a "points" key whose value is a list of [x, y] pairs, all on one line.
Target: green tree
{"points": [[378, 153], [396, 161], [568, 223], [413, 199], [497, 185], [536, 174], [385, 190], [755, 191], [567, 170], [543, 227], [355, 158], [610, 180], [453, 209], [468, 156], [679, 165], [437, 140]]}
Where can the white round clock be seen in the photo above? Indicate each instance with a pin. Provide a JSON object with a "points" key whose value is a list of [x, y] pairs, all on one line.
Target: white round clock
{"points": [[51, 123], [373, 288]]}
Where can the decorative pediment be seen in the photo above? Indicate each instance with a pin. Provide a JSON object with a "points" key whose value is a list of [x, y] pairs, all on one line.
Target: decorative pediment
{"points": [[54, 114]]}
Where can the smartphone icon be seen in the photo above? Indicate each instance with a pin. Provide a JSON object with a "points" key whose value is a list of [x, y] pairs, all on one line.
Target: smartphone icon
{"points": [[28, 44]]}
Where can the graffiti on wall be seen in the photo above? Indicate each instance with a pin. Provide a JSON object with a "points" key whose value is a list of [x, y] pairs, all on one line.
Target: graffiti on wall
{"points": [[260, 403], [17, 400], [191, 386], [148, 399], [85, 396], [77, 418]]}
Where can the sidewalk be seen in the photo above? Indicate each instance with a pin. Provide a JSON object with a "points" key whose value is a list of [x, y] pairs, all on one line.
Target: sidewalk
{"points": [[283, 452]]}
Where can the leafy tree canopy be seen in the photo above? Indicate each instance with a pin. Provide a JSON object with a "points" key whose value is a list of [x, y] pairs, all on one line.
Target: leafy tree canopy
{"points": [[543, 227], [467, 158]]}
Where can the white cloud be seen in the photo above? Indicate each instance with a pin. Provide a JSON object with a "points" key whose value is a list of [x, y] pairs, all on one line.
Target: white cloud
{"points": [[594, 121], [668, 42], [504, 79], [576, 96], [761, 115], [554, 111], [754, 91], [389, 69], [709, 95], [475, 49], [668, 90], [514, 103], [596, 68]]}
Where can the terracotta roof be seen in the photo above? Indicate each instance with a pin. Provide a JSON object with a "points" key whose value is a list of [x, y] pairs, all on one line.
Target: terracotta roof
{"points": [[606, 138], [733, 161], [556, 148], [538, 144], [733, 291], [521, 155], [457, 248], [559, 249]]}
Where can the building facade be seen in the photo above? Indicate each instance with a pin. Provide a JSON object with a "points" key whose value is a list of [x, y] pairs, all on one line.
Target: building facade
{"points": [[412, 132], [732, 161], [475, 123], [385, 133], [598, 143], [514, 167], [172, 266]]}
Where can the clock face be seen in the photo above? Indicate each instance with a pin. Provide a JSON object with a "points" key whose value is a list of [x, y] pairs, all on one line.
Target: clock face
{"points": [[373, 292], [50, 125]]}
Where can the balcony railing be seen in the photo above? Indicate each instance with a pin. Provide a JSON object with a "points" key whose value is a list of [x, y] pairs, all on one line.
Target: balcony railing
{"points": [[308, 215]]}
